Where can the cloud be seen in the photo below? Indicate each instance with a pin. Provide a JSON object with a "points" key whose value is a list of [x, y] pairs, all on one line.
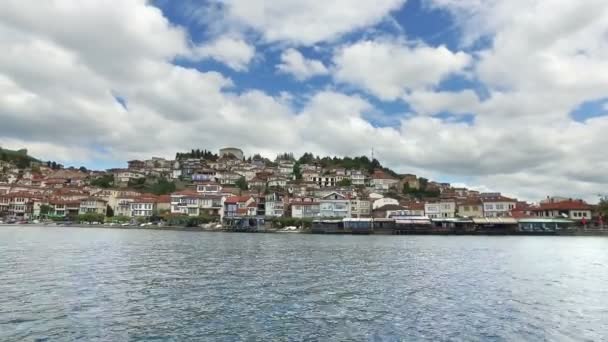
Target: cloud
{"points": [[234, 52], [63, 64], [387, 69], [429, 103], [292, 62], [305, 22]]}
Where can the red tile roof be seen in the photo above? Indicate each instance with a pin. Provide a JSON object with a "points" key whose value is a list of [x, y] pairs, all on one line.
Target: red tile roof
{"points": [[237, 199], [564, 205]]}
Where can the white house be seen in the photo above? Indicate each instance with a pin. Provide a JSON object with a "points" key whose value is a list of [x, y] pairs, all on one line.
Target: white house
{"points": [[442, 209], [496, 205], [334, 205]]}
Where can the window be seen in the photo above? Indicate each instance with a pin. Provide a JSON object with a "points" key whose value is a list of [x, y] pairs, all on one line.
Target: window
{"points": [[500, 207], [466, 208], [489, 207]]}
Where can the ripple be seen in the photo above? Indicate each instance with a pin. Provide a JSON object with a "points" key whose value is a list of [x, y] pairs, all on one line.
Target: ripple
{"points": [[85, 284]]}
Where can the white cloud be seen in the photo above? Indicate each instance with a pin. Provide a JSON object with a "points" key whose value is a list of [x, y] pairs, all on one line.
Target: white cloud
{"points": [[292, 62], [387, 69], [234, 52], [429, 103], [62, 62], [305, 22]]}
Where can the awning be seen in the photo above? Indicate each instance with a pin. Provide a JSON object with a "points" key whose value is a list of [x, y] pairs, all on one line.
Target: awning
{"points": [[494, 220]]}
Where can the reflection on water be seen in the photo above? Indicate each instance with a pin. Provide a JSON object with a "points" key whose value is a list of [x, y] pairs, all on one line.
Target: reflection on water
{"points": [[113, 285]]}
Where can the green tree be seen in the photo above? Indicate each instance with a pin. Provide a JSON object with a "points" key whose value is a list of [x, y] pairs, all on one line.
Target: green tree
{"points": [[241, 183], [345, 182], [297, 171], [45, 210], [109, 211], [83, 169], [105, 181], [162, 187]]}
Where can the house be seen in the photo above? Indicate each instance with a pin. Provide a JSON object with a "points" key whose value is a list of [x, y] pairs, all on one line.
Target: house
{"points": [[231, 205], [575, 209], [185, 202], [275, 204], [286, 167], [93, 205], [136, 164], [384, 201], [18, 204], [278, 181], [496, 205], [360, 207], [204, 175], [64, 208], [381, 181], [413, 208], [249, 210], [304, 207], [470, 207], [390, 210], [257, 182], [334, 205], [228, 177], [143, 206], [440, 209], [124, 176], [209, 188], [357, 177]]}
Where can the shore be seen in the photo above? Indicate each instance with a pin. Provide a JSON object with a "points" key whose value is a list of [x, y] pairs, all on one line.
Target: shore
{"points": [[280, 231]]}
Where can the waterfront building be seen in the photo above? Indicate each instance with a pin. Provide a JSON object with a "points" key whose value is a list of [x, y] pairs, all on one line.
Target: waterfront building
{"points": [[470, 207], [334, 205], [496, 205], [304, 207], [275, 204], [231, 205], [93, 205], [384, 201], [566, 208], [440, 209]]}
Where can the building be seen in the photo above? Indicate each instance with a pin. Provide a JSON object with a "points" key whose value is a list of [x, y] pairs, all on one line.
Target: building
{"points": [[275, 204], [470, 207], [136, 164], [390, 210], [360, 208], [227, 151], [496, 205], [93, 205], [304, 207], [381, 181], [334, 205], [384, 201], [567, 208], [441, 209], [143, 206], [357, 178], [232, 205]]}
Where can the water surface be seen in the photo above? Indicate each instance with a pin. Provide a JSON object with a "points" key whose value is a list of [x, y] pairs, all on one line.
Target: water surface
{"points": [[116, 285]]}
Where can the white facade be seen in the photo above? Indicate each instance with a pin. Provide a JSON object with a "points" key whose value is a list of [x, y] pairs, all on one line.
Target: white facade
{"points": [[440, 209], [334, 205], [384, 201], [497, 208]]}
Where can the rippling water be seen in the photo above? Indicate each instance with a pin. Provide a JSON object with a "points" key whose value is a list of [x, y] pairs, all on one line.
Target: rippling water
{"points": [[116, 285]]}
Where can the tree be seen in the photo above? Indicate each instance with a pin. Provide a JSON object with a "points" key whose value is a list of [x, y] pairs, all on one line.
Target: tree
{"points": [[83, 169], [109, 211], [297, 171], [105, 181], [162, 187], [3, 156], [241, 183], [345, 182], [45, 209]]}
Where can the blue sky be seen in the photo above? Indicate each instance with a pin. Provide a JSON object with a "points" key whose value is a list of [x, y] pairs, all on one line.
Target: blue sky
{"points": [[499, 95]]}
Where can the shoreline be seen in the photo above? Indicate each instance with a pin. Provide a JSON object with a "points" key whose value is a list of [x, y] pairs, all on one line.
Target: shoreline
{"points": [[273, 231]]}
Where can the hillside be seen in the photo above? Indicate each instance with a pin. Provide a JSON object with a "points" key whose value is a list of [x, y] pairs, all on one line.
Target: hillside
{"points": [[19, 157]]}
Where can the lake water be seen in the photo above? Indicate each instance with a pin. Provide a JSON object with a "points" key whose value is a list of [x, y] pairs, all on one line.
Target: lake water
{"points": [[118, 285]]}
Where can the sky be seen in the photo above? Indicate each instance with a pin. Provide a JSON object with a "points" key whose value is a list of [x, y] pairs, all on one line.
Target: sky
{"points": [[496, 95]]}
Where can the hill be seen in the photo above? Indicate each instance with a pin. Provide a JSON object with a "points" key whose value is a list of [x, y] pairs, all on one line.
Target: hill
{"points": [[19, 157]]}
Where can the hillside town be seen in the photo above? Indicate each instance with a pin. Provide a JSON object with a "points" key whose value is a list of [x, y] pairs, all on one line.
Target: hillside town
{"points": [[227, 185]]}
